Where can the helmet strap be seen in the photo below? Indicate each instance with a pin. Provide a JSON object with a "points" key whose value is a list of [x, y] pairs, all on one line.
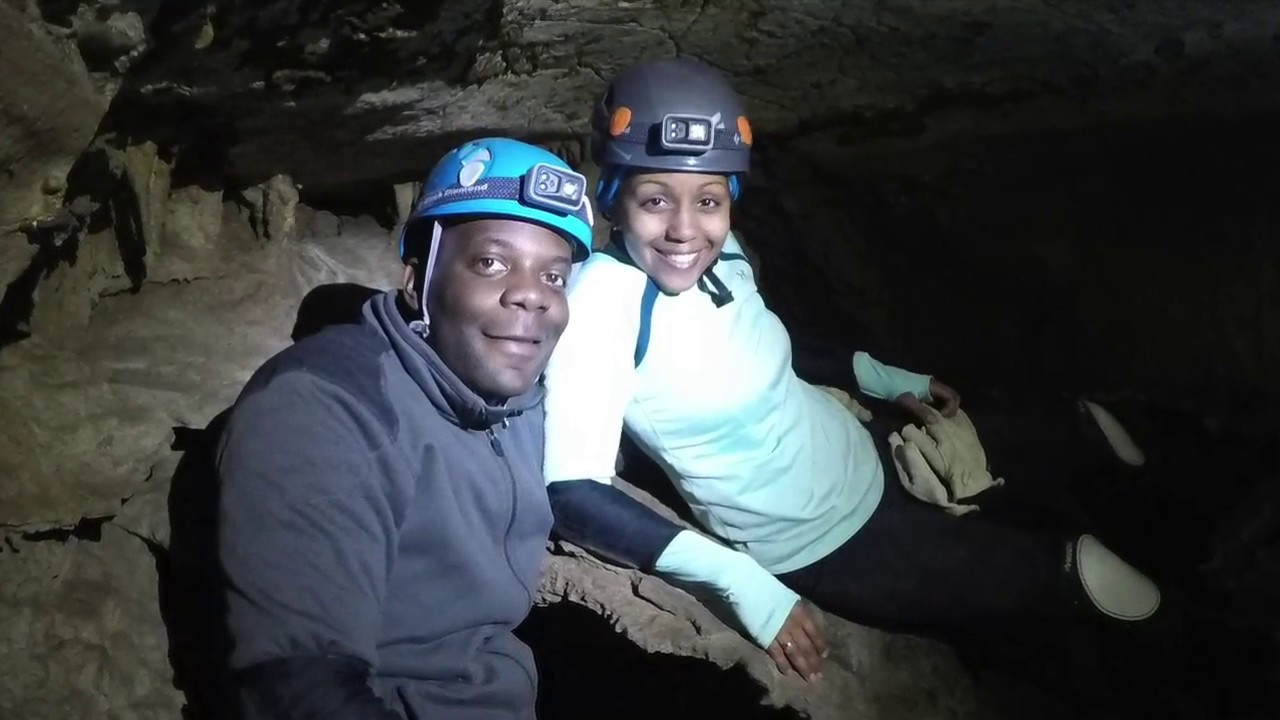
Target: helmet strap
{"points": [[423, 326], [607, 189]]}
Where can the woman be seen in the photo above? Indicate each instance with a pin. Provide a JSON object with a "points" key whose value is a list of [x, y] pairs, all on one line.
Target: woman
{"points": [[670, 340]]}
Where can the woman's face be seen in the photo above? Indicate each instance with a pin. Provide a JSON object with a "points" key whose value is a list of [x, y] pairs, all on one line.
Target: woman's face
{"points": [[674, 224]]}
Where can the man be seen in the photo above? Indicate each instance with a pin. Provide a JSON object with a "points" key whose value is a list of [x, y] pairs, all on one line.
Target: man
{"points": [[383, 518]]}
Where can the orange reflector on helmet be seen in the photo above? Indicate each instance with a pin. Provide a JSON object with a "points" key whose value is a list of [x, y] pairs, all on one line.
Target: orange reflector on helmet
{"points": [[620, 121]]}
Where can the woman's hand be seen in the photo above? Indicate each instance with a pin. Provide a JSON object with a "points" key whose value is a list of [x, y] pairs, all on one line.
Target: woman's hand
{"points": [[799, 645], [940, 393]]}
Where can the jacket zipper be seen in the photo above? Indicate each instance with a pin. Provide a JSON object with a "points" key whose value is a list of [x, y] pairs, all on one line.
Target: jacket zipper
{"points": [[496, 444]]}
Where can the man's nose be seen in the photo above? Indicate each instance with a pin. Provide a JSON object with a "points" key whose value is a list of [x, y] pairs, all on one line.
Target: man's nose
{"points": [[526, 290]]}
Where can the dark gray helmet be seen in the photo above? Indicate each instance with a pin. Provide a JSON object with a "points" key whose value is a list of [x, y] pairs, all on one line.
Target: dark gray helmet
{"points": [[671, 114]]}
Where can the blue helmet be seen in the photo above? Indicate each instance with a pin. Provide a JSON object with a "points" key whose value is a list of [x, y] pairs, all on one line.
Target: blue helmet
{"points": [[503, 178]]}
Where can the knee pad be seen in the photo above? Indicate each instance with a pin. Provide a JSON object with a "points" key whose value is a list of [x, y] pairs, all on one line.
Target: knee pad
{"points": [[1121, 442], [1114, 587]]}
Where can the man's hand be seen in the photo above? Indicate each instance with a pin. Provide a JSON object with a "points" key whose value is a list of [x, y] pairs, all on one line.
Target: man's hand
{"points": [[941, 394], [799, 645]]}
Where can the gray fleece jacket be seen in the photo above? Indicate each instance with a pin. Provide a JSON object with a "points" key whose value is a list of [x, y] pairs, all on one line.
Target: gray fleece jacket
{"points": [[376, 512]]}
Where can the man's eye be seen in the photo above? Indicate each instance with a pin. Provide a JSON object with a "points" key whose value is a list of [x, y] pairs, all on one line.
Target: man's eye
{"points": [[556, 279], [489, 264]]}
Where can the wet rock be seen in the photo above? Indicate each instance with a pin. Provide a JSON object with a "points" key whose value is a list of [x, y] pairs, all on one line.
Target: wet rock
{"points": [[150, 177], [80, 628], [193, 245], [533, 68], [279, 207], [50, 112], [88, 413], [870, 674], [324, 224]]}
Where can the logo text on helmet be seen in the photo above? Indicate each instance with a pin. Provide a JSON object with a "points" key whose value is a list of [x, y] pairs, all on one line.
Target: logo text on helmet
{"points": [[453, 193]]}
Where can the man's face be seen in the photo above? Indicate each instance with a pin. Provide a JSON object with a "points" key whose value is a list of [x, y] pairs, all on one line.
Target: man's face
{"points": [[497, 303]]}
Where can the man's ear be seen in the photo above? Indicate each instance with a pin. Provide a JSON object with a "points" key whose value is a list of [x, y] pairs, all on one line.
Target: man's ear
{"points": [[410, 284]]}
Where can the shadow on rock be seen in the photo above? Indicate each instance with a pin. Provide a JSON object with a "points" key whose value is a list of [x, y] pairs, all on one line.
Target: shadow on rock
{"points": [[192, 602], [588, 670], [331, 304]]}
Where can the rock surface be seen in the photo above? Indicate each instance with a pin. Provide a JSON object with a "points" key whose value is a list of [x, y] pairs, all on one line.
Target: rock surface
{"points": [[275, 76], [80, 629], [869, 674], [97, 403], [49, 111], [902, 106]]}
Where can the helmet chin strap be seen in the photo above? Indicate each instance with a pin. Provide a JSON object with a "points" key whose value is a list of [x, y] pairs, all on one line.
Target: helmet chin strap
{"points": [[423, 326]]}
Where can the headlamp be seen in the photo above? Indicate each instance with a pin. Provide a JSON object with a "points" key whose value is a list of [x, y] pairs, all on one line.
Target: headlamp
{"points": [[553, 188], [686, 132]]}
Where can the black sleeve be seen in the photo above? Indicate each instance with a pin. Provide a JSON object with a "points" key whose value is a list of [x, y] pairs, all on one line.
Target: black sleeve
{"points": [[311, 688], [610, 523], [823, 362]]}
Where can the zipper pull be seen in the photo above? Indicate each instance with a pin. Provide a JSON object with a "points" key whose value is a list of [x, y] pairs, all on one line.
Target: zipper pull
{"points": [[495, 443]]}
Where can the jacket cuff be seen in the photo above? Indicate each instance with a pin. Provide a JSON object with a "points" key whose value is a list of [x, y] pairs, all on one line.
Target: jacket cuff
{"points": [[886, 382]]}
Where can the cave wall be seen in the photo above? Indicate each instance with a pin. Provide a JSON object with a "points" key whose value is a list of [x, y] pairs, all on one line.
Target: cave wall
{"points": [[50, 112], [889, 132], [1135, 260], [268, 80]]}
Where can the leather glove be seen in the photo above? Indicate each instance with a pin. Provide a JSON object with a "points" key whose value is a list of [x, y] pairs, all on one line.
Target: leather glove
{"points": [[955, 454], [919, 479]]}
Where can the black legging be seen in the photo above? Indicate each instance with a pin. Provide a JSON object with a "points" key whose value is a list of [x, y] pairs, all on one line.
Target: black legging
{"points": [[996, 580], [993, 579], [915, 566]]}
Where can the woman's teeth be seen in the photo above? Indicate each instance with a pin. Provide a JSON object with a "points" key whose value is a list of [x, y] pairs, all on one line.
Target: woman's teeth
{"points": [[683, 261]]}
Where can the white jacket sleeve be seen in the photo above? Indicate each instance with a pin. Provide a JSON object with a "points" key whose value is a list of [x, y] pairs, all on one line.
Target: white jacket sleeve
{"points": [[591, 376], [887, 382], [760, 600]]}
